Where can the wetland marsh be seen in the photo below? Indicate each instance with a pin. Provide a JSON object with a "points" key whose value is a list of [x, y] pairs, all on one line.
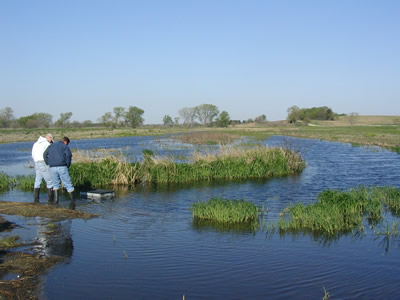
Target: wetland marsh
{"points": [[146, 244]]}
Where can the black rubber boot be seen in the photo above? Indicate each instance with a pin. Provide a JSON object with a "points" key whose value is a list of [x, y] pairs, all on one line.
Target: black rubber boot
{"points": [[55, 196], [72, 203], [36, 193], [50, 194]]}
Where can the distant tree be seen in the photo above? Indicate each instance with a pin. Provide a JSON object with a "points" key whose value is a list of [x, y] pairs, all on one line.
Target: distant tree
{"points": [[167, 120], [188, 115], [293, 114], [134, 117], [353, 118], [176, 121], [87, 123], [223, 119], [36, 120], [205, 113], [75, 124], [306, 114], [63, 121], [119, 113], [6, 117], [106, 119], [261, 118]]}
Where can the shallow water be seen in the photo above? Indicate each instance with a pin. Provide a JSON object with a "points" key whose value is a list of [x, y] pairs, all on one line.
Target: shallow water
{"points": [[144, 244]]}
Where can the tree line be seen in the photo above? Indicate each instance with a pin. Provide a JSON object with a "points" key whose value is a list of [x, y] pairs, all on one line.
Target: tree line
{"points": [[201, 115], [306, 114], [37, 120]]}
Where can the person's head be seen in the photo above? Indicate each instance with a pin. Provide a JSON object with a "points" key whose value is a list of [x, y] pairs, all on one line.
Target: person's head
{"points": [[65, 140], [49, 137]]}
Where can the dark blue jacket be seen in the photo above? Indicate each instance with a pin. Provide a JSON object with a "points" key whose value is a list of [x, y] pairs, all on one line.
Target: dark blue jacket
{"points": [[58, 155]]}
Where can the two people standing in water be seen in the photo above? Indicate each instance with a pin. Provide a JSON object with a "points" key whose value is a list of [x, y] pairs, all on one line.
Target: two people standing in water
{"points": [[52, 161]]}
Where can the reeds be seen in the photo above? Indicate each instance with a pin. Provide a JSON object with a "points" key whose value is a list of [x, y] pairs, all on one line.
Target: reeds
{"points": [[340, 211], [225, 210], [229, 164], [6, 182], [26, 183]]}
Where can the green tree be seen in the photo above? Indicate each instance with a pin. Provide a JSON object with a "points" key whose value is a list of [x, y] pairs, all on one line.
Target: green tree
{"points": [[119, 114], [36, 120], [167, 120], [223, 119], [293, 114], [205, 113], [134, 117], [106, 119], [64, 120], [6, 117]]}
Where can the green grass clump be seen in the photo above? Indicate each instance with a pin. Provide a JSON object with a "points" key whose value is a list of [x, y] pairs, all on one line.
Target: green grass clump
{"points": [[6, 182], [340, 211], [26, 183], [225, 210]]}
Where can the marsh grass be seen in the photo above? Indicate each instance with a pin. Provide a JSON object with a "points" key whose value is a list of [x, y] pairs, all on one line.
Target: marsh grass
{"points": [[6, 182], [225, 211], [337, 212], [26, 182], [229, 164]]}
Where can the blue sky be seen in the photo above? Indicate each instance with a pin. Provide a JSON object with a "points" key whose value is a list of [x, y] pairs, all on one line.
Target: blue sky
{"points": [[246, 57]]}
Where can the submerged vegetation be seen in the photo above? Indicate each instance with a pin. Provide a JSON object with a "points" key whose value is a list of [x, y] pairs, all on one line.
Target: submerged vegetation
{"points": [[229, 164], [337, 212], [225, 210]]}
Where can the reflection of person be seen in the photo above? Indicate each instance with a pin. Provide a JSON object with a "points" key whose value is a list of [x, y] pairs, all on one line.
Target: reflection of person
{"points": [[42, 170], [54, 238], [58, 156]]}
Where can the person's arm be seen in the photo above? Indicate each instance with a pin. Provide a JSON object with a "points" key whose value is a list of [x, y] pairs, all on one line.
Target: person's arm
{"points": [[68, 156]]}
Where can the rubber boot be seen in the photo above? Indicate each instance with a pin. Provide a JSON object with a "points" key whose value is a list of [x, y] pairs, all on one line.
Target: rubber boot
{"points": [[72, 203], [50, 194], [36, 193], [55, 196]]}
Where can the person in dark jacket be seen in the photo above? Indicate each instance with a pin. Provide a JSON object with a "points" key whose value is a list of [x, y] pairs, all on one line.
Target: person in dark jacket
{"points": [[58, 156]]}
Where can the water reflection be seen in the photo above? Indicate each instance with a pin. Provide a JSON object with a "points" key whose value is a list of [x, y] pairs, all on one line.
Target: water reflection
{"points": [[54, 238], [245, 228]]}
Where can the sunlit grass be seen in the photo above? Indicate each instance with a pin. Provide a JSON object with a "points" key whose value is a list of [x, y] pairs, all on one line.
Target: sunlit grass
{"points": [[225, 210], [229, 164], [6, 182], [341, 211]]}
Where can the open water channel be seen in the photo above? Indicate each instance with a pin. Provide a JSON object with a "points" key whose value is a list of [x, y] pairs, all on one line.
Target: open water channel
{"points": [[145, 245]]}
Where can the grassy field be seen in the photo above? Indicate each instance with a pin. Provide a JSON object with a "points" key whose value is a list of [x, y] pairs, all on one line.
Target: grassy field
{"points": [[383, 131]]}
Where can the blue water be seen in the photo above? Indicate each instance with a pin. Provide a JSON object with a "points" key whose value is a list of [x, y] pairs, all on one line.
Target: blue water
{"points": [[144, 244]]}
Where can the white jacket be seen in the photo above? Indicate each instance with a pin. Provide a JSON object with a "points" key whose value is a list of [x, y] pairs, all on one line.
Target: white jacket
{"points": [[38, 149]]}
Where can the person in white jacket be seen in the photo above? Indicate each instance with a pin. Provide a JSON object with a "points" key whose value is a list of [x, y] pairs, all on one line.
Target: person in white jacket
{"points": [[42, 170]]}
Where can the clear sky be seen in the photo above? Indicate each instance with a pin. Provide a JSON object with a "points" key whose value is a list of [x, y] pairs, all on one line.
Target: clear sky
{"points": [[246, 57]]}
